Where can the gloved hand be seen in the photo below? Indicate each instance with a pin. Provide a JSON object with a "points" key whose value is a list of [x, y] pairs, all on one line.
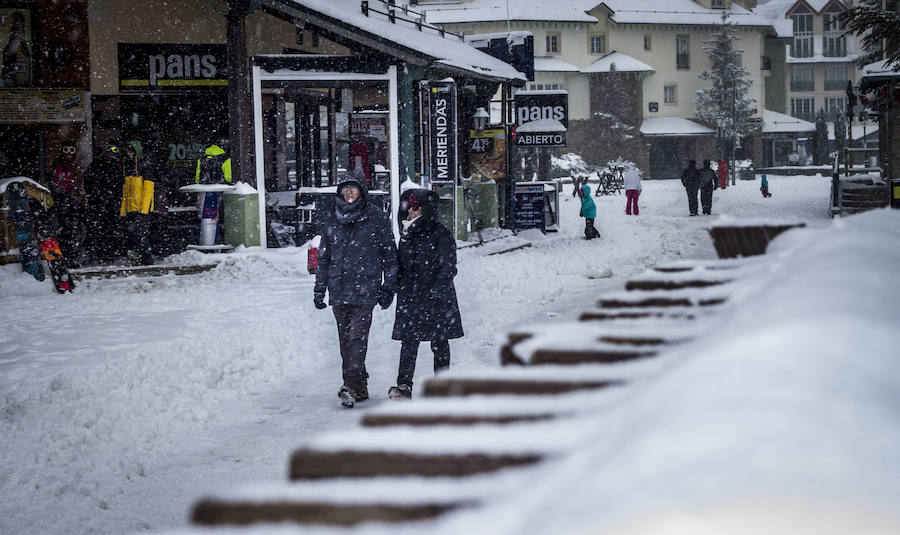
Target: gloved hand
{"points": [[319, 301], [385, 298]]}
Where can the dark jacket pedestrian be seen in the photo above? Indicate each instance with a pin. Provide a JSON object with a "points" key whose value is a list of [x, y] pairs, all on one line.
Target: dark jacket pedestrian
{"points": [[427, 309], [103, 196], [690, 179], [358, 268], [708, 182]]}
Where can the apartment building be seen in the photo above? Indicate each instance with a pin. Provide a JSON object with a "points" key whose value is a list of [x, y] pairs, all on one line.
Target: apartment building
{"points": [[657, 47]]}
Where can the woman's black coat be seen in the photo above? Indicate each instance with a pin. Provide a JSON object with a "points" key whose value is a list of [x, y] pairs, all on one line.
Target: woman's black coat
{"points": [[426, 298]]}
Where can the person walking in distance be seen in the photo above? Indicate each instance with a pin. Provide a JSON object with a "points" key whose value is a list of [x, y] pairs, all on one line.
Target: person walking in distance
{"points": [[427, 309], [632, 179], [588, 212], [708, 182], [358, 268], [764, 187], [690, 179]]}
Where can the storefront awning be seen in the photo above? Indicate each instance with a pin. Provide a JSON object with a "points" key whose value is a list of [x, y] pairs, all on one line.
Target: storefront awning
{"points": [[779, 123], [673, 126], [623, 63], [399, 34]]}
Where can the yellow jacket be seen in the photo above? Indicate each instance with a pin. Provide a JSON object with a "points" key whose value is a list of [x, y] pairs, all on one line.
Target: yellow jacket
{"points": [[137, 195]]}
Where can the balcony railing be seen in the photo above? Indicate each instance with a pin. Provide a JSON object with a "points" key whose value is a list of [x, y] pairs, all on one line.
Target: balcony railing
{"points": [[802, 85]]}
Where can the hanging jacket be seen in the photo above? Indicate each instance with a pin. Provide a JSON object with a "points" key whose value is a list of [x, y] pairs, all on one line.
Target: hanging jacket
{"points": [[137, 190], [588, 208]]}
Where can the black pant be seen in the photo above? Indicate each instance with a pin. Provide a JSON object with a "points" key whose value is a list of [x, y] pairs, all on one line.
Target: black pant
{"points": [[706, 200], [692, 200], [353, 323], [408, 351], [590, 232]]}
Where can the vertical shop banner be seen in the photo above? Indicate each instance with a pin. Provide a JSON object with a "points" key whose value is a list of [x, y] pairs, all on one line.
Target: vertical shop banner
{"points": [[487, 154], [442, 119], [172, 67], [16, 69]]}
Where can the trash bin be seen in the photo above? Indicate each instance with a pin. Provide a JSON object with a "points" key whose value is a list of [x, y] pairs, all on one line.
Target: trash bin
{"points": [[241, 223], [895, 193]]}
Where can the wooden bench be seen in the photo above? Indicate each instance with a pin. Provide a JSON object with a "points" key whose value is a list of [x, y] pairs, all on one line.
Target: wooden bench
{"points": [[733, 241]]}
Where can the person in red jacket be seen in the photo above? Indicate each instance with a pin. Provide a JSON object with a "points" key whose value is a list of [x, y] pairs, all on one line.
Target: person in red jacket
{"points": [[723, 174], [67, 198]]}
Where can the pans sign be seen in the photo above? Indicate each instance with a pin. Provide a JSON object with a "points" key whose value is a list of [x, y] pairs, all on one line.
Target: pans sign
{"points": [[542, 118]]}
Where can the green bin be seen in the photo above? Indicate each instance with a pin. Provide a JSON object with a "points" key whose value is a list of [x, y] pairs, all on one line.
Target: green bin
{"points": [[241, 223]]}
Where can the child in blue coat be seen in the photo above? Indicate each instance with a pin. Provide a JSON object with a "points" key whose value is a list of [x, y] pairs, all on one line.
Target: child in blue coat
{"points": [[588, 212], [764, 187]]}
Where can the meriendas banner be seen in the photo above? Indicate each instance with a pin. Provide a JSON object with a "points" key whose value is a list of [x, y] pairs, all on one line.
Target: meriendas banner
{"points": [[172, 67], [442, 119]]}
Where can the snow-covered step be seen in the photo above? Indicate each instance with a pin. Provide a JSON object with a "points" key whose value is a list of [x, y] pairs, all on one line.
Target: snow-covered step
{"points": [[533, 380], [500, 410], [647, 313], [692, 297], [440, 451], [348, 502], [733, 239], [140, 271]]}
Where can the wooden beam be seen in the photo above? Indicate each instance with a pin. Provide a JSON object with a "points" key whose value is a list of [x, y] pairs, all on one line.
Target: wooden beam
{"points": [[315, 464], [447, 387]]}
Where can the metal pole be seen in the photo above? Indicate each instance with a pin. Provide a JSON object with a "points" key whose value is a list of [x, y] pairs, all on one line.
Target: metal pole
{"points": [[733, 126], [507, 17]]}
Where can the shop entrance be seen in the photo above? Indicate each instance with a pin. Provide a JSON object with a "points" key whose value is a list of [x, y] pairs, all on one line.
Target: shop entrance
{"points": [[311, 127]]}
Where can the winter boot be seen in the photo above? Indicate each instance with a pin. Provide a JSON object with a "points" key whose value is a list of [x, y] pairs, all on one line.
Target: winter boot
{"points": [[348, 397], [400, 392], [361, 393]]}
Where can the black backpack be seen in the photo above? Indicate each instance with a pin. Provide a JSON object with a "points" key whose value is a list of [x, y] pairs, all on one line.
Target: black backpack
{"points": [[211, 169]]}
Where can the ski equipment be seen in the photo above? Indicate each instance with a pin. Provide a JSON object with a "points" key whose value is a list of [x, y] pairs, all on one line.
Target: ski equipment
{"points": [[22, 218]]}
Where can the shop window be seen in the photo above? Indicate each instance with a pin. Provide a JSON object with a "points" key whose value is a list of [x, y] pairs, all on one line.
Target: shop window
{"points": [[16, 40]]}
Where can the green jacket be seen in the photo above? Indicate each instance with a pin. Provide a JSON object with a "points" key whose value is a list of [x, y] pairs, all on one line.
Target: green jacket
{"points": [[211, 151]]}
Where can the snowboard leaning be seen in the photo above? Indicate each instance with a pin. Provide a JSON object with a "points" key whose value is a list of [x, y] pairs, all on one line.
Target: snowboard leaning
{"points": [[22, 219]]}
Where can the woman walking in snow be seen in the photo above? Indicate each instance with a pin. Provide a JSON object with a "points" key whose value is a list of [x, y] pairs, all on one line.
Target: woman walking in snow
{"points": [[427, 309]]}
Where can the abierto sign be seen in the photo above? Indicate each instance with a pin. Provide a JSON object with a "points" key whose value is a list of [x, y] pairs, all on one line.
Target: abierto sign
{"points": [[542, 118]]}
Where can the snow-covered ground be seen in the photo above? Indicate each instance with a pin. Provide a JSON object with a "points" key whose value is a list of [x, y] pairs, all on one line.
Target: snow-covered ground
{"points": [[124, 402]]}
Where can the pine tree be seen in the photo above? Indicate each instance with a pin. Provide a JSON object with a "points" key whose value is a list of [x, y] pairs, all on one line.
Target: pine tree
{"points": [[840, 135], [726, 104], [820, 140], [612, 101], [876, 27]]}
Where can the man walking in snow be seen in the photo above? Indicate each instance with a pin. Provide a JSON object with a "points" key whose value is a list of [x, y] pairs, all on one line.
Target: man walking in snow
{"points": [[358, 268], [708, 182], [690, 179]]}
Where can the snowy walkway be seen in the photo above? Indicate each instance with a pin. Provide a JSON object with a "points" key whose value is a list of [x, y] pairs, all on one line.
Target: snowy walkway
{"points": [[123, 403]]}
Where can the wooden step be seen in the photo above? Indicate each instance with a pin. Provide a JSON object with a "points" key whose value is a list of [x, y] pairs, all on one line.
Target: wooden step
{"points": [[648, 284], [733, 241], [138, 271], [499, 410], [218, 513], [630, 313], [657, 302], [450, 386], [319, 464]]}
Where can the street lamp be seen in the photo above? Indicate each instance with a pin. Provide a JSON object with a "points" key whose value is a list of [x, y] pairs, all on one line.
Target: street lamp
{"points": [[480, 119]]}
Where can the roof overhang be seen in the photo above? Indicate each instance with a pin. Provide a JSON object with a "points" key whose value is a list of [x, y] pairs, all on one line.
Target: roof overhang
{"points": [[673, 126], [623, 63]]}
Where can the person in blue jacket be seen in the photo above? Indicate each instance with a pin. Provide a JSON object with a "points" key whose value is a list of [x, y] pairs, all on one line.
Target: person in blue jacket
{"points": [[588, 212]]}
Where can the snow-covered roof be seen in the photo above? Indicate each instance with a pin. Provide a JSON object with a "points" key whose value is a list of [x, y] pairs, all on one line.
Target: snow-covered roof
{"points": [[496, 10], [623, 63], [673, 126], [819, 58], [775, 12], [881, 69], [552, 64], [858, 131], [482, 39], [817, 5], [774, 122], [683, 12], [447, 50], [7, 181]]}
